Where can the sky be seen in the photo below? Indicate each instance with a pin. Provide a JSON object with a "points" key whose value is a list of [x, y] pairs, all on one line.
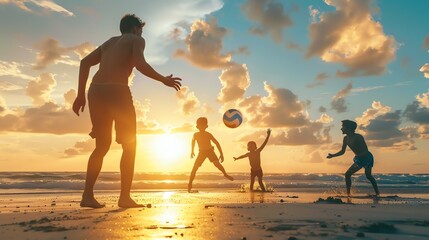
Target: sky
{"points": [[297, 67]]}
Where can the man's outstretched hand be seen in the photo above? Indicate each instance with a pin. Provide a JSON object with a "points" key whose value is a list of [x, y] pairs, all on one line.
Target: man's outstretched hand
{"points": [[173, 82], [78, 104]]}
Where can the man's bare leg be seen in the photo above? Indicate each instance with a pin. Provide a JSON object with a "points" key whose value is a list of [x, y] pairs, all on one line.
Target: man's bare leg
{"points": [[95, 163], [127, 174]]}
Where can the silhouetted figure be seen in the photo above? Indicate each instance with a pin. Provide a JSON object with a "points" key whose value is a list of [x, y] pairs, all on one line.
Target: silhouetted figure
{"points": [[254, 156], [363, 158], [206, 150], [110, 100]]}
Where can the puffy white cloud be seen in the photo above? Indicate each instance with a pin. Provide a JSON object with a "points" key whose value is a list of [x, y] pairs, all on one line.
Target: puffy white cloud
{"points": [[187, 100], [50, 51], [204, 44], [325, 118], [351, 37], [40, 88], [235, 80], [425, 70], [381, 128], [338, 102], [270, 16], [28, 5], [281, 108]]}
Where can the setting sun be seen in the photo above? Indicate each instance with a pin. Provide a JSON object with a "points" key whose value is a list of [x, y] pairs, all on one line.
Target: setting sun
{"points": [[168, 147]]}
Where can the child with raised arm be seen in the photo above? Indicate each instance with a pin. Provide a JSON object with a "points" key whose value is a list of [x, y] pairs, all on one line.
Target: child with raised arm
{"points": [[254, 156], [363, 158], [206, 150]]}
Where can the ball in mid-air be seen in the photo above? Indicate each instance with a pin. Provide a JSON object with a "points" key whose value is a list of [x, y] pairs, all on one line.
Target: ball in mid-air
{"points": [[232, 118]]}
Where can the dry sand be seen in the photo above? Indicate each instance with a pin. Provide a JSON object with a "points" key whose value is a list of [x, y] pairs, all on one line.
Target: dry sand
{"points": [[212, 214]]}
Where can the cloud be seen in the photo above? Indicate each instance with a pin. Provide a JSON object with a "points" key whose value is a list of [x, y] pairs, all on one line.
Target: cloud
{"points": [[50, 51], [322, 109], [425, 70], [377, 109], [338, 102], [381, 129], [69, 97], [270, 17], [281, 108], [426, 42], [186, 127], [12, 69], [40, 88], [312, 134], [187, 100], [3, 106], [367, 89], [325, 118], [315, 157], [27, 5], [235, 80], [7, 86], [204, 44], [144, 124], [80, 148], [48, 118], [351, 37], [319, 80], [423, 99], [83, 49], [417, 113]]}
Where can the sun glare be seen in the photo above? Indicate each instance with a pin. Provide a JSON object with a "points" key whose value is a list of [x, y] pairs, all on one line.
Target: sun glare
{"points": [[168, 147]]}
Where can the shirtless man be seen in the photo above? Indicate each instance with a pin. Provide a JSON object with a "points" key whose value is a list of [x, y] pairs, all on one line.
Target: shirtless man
{"points": [[110, 100], [363, 158]]}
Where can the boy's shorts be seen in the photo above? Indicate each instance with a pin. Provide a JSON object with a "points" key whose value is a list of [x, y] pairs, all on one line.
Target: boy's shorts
{"points": [[203, 154], [110, 103], [256, 173], [365, 161]]}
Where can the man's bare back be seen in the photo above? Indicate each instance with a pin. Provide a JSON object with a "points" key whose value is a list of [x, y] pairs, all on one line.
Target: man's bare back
{"points": [[119, 55]]}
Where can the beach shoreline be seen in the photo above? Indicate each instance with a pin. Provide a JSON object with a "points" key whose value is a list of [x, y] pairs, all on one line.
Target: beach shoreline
{"points": [[213, 214]]}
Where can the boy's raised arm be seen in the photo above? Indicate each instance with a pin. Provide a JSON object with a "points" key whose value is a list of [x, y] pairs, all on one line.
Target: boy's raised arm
{"points": [[341, 152], [266, 140]]}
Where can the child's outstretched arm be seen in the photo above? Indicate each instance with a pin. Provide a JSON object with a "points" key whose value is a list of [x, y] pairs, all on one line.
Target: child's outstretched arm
{"points": [[221, 158], [193, 146], [240, 157], [341, 152], [266, 140]]}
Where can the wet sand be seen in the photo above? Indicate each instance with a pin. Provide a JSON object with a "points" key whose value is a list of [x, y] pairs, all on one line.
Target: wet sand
{"points": [[215, 214]]}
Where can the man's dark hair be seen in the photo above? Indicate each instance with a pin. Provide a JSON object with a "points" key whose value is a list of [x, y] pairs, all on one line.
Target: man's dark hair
{"points": [[128, 22], [349, 124]]}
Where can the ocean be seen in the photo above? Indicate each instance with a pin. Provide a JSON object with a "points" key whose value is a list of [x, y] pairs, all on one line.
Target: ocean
{"points": [[33, 182]]}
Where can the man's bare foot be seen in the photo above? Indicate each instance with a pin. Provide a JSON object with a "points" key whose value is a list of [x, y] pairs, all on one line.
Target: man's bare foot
{"points": [[128, 203], [229, 177], [189, 188], [90, 202]]}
